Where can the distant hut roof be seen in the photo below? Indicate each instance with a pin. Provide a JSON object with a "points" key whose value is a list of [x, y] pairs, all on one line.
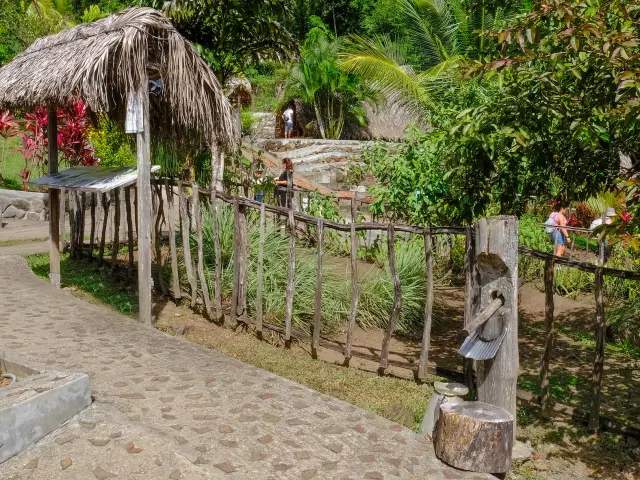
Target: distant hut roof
{"points": [[102, 63]]}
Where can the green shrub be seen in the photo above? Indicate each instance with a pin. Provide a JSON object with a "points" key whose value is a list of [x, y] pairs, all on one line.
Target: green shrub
{"points": [[248, 121]]}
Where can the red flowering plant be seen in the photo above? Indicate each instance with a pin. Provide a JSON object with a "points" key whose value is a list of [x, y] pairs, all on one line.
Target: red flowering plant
{"points": [[72, 138], [8, 128]]}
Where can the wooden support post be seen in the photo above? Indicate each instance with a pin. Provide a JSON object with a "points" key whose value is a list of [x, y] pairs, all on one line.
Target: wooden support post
{"points": [[470, 301], [259, 313], [236, 264], [54, 199], [157, 238], [175, 273], [397, 301], [217, 301], [116, 230], [290, 280], [92, 234], [355, 294], [317, 314], [72, 223], [143, 153], [204, 286], [82, 197], [105, 220], [497, 265], [186, 244], [423, 364], [598, 362], [127, 196], [545, 395]]}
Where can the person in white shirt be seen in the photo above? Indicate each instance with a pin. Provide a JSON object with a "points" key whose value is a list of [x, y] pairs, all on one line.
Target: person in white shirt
{"points": [[287, 116], [609, 214]]}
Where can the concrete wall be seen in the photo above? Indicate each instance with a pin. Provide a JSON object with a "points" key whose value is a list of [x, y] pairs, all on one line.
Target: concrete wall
{"points": [[27, 205]]}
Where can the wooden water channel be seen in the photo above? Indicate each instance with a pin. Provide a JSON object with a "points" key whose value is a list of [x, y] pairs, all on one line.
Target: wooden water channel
{"points": [[480, 308]]}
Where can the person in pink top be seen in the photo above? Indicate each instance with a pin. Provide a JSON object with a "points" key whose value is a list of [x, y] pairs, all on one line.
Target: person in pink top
{"points": [[559, 234]]}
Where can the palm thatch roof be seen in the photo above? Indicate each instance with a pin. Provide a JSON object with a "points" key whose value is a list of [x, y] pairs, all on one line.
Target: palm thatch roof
{"points": [[104, 61]]}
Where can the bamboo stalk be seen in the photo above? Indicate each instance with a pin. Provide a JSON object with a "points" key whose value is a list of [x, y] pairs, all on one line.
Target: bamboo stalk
{"points": [[598, 362], [317, 317], [175, 274], [203, 281], [290, 280], [186, 245], [355, 294], [259, 313], [397, 301], [423, 364], [545, 395]]}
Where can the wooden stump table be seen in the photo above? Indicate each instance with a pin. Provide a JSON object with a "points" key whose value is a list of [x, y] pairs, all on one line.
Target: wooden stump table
{"points": [[475, 436]]}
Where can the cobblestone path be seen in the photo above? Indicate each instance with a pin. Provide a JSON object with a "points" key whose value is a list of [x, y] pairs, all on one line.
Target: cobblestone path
{"points": [[167, 409]]}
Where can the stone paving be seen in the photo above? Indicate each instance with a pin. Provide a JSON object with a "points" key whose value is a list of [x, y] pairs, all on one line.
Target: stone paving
{"points": [[167, 409]]}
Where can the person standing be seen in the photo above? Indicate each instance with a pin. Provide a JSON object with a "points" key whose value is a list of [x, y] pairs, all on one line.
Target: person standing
{"points": [[285, 183], [287, 116], [558, 223]]}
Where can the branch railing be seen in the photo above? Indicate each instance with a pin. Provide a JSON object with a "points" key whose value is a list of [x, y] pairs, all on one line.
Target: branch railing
{"points": [[101, 207]]}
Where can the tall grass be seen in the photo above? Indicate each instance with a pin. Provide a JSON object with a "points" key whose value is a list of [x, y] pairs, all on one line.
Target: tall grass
{"points": [[376, 286]]}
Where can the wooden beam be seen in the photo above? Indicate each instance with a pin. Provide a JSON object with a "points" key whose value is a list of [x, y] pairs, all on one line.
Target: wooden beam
{"points": [[355, 293], [317, 315], [143, 156], [397, 301], [545, 390], [54, 198], [423, 363]]}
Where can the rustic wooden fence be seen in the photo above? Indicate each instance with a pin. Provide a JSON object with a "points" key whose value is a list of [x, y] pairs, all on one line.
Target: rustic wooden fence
{"points": [[109, 206]]}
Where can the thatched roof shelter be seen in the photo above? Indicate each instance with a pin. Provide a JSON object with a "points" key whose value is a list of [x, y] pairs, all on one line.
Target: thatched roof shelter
{"points": [[102, 63]]}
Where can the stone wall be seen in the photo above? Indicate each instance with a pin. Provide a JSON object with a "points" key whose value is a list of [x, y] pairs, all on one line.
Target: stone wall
{"points": [[24, 205]]}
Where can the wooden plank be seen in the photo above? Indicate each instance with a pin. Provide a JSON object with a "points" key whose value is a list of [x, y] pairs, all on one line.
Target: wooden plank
{"points": [[143, 155], [397, 301], [260, 273], [545, 395], [290, 280], [105, 219], [92, 234], [175, 273], [317, 314], [115, 246], [236, 266], [130, 247], [54, 199], [186, 244], [598, 362], [355, 293], [497, 265], [204, 286], [428, 307]]}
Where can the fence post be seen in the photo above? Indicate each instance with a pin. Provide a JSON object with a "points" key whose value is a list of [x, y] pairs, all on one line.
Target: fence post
{"points": [[355, 293], [290, 280], [497, 268], [470, 300], [259, 314], [423, 365], [186, 244], [317, 317], [127, 196], [545, 395], [598, 362], [397, 301], [242, 245], [204, 286]]}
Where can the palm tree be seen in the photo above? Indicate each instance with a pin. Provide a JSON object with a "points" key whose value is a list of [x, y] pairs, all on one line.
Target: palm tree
{"points": [[447, 34]]}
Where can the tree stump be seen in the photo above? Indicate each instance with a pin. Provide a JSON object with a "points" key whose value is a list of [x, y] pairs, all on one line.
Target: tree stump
{"points": [[475, 436]]}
